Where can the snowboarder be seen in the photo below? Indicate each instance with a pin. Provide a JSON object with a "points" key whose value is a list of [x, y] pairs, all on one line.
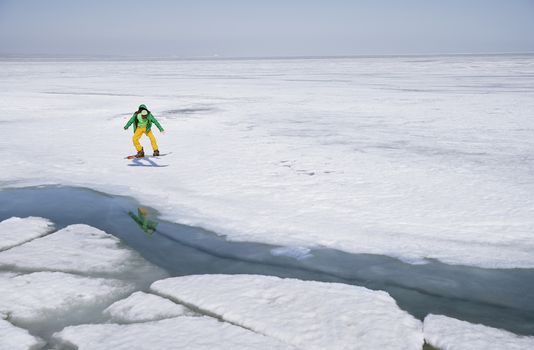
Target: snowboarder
{"points": [[142, 121]]}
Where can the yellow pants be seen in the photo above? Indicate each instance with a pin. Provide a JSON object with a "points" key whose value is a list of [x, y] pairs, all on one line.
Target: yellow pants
{"points": [[137, 135]]}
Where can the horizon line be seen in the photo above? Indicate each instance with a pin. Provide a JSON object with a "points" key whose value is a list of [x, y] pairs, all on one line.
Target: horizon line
{"points": [[110, 57]]}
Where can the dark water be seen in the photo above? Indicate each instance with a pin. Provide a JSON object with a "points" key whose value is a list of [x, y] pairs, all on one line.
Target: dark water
{"points": [[502, 298]]}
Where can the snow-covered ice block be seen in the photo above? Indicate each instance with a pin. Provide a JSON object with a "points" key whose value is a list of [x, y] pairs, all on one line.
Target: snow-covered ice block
{"points": [[448, 333], [198, 333], [79, 249], [15, 338], [308, 315], [142, 307], [43, 296], [15, 231]]}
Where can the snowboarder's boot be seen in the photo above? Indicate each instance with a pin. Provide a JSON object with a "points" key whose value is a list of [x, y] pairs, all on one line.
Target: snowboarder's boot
{"points": [[156, 153], [140, 154]]}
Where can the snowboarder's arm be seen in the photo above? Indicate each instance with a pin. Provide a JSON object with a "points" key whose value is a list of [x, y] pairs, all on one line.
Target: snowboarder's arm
{"points": [[129, 122], [155, 121]]}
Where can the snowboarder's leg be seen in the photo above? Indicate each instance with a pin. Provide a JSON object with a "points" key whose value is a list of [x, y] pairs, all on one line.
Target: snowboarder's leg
{"points": [[137, 135], [152, 140]]}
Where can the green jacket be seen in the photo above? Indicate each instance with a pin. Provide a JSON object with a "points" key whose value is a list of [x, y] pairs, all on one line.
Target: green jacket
{"points": [[150, 119]]}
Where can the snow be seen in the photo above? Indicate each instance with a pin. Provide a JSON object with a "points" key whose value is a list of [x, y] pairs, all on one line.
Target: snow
{"points": [[448, 333], [41, 296], [307, 315], [409, 157], [78, 249], [198, 333], [143, 307], [15, 231], [15, 338]]}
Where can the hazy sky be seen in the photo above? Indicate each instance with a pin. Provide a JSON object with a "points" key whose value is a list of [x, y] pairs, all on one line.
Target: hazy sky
{"points": [[196, 28]]}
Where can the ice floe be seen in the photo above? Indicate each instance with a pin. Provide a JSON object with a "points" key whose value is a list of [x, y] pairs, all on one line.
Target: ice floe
{"points": [[308, 315], [15, 231], [448, 333], [68, 277], [40, 296], [78, 249], [188, 333], [143, 307], [15, 338]]}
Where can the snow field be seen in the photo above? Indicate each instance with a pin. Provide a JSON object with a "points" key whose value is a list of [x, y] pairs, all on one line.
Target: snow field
{"points": [[448, 333], [407, 157]]}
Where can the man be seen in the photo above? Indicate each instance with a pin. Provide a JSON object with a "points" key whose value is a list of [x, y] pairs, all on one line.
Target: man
{"points": [[142, 120]]}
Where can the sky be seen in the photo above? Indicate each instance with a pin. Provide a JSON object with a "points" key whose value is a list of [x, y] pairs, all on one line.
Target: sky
{"points": [[261, 28]]}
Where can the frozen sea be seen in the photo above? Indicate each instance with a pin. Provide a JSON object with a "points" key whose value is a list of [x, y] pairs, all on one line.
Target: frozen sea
{"points": [[425, 159], [410, 157]]}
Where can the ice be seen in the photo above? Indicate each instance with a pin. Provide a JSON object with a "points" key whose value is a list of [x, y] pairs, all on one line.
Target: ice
{"points": [[198, 333], [15, 338], [78, 249], [448, 333], [15, 231], [68, 277], [307, 315], [44, 296], [412, 158], [142, 307], [298, 253]]}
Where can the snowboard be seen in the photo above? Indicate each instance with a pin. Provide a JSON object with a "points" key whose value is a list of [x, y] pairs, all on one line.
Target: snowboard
{"points": [[147, 156]]}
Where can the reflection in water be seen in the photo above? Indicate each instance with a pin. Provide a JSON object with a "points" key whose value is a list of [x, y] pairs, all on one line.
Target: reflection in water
{"points": [[142, 219]]}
